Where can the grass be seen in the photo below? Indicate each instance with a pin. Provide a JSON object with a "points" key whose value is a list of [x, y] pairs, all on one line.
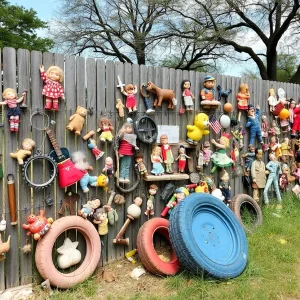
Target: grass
{"points": [[272, 271]]}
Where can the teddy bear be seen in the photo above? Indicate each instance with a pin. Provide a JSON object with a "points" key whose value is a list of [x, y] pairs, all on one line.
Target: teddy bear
{"points": [[196, 131], [89, 208], [77, 120]]}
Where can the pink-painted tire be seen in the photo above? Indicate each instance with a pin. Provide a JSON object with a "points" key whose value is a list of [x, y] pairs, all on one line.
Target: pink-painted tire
{"points": [[43, 254]]}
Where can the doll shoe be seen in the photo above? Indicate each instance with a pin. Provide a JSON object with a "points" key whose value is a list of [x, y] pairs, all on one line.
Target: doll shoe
{"points": [[126, 180], [55, 106], [48, 105], [122, 180]]}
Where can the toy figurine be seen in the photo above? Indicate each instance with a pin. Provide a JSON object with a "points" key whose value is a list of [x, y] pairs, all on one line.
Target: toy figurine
{"points": [[93, 145], [207, 94], [220, 158], [273, 166], [38, 225], [182, 159], [187, 95], [76, 121], [27, 145], [139, 158], [286, 149], [239, 136], [264, 127], [129, 91], [234, 155], [156, 160], [207, 153], [272, 100], [125, 143], [249, 157], [100, 218], [105, 127], [291, 111], [273, 128], [284, 124], [195, 132], [217, 192], [149, 109], [179, 195], [243, 98], [150, 202], [108, 167], [224, 185], [275, 147], [296, 124], [253, 123], [283, 182], [258, 175], [200, 160], [120, 107], [14, 111], [4, 247], [89, 208], [166, 153], [52, 89]]}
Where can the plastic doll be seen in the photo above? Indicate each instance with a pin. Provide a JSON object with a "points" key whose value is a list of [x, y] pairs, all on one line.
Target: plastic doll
{"points": [[139, 159], [126, 142], [108, 167], [217, 192], [286, 148], [234, 154], [207, 153], [120, 107], [27, 145], [105, 127], [272, 130], [249, 157], [224, 185], [150, 202], [275, 147], [95, 150], [296, 124], [258, 175], [272, 100], [89, 208], [100, 218], [188, 96], [166, 153], [284, 124], [156, 160], [14, 111], [220, 158], [200, 160], [207, 94], [129, 91], [52, 89], [264, 127], [292, 106], [182, 159], [243, 98], [283, 182], [239, 136], [273, 166]]}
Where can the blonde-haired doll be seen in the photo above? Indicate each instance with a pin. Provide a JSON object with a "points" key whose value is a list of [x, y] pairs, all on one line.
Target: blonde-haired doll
{"points": [[52, 89], [156, 160]]}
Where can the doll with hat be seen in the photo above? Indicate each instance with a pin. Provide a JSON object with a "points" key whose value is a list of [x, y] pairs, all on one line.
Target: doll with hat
{"points": [[207, 94], [207, 153]]}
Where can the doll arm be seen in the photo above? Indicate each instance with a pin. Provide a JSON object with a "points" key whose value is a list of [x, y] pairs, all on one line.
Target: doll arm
{"points": [[249, 123], [90, 168], [187, 156], [21, 98], [135, 89], [97, 221], [217, 144], [177, 157], [3, 103]]}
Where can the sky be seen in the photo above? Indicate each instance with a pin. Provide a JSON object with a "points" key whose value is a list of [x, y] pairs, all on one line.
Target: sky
{"points": [[45, 10]]}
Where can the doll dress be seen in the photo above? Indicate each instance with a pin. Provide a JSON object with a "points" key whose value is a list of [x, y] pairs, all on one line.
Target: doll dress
{"points": [[51, 89], [187, 98], [221, 159], [157, 166], [130, 101]]}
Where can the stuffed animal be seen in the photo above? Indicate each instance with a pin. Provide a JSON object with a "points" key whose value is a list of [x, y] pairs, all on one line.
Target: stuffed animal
{"points": [[102, 180], [100, 218], [196, 131], [68, 255], [27, 145], [89, 208], [77, 120]]}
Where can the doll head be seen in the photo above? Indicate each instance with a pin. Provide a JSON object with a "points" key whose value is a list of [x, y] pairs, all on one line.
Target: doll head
{"points": [[209, 82], [28, 144], [251, 110], [292, 103], [129, 88], [264, 118], [139, 157], [272, 92], [138, 201], [258, 154], [9, 94], [127, 128], [156, 151], [181, 149], [181, 193], [224, 176], [272, 156], [273, 139], [94, 203], [186, 84], [109, 161], [164, 139], [55, 73], [104, 122], [244, 89], [251, 148], [206, 145], [224, 139], [286, 140], [274, 123], [153, 189]]}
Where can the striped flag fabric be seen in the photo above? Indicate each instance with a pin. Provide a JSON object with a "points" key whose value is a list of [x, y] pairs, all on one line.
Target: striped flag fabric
{"points": [[214, 124]]}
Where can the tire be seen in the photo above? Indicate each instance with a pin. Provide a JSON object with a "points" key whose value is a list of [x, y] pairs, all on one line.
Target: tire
{"points": [[242, 202], [207, 237], [147, 252], [43, 254]]}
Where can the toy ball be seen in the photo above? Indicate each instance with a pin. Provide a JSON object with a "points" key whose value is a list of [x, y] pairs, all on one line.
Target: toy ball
{"points": [[284, 114], [227, 107], [225, 121]]}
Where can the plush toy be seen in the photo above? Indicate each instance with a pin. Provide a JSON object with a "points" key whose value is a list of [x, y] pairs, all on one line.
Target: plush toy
{"points": [[150, 202], [207, 94], [77, 120], [102, 180], [89, 208], [38, 225], [27, 145], [242, 98], [120, 107], [100, 218], [68, 255], [105, 127], [196, 131]]}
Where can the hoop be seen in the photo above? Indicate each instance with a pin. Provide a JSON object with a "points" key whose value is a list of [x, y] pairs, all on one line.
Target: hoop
{"points": [[39, 112]]}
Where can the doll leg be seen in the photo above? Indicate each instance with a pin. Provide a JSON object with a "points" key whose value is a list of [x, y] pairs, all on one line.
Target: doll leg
{"points": [[48, 105], [55, 104], [277, 192], [16, 123], [84, 182], [266, 189], [12, 123]]}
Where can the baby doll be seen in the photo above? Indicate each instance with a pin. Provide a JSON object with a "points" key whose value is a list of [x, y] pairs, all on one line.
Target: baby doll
{"points": [[224, 185], [129, 91], [100, 218], [120, 107], [253, 123], [95, 150], [264, 126], [139, 159], [150, 202], [167, 154], [208, 93], [188, 96], [126, 142], [109, 166], [272, 100], [249, 157], [105, 127], [156, 160], [14, 111], [89, 208], [182, 159], [243, 98], [207, 153], [27, 145], [200, 160], [52, 89], [217, 192]]}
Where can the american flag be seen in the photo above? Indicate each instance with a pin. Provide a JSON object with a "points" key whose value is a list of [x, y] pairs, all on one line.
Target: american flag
{"points": [[214, 124]]}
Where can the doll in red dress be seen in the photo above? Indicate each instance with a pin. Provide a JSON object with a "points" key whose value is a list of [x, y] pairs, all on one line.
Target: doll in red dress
{"points": [[52, 89], [243, 98], [182, 159], [129, 91]]}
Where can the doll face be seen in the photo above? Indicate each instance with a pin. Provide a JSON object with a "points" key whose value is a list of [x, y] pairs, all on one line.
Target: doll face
{"points": [[274, 123], [292, 105], [10, 95], [273, 139], [272, 157], [27, 145], [259, 154], [251, 112], [225, 177], [152, 191], [102, 216], [157, 151], [264, 118], [128, 129], [180, 196], [95, 203], [251, 149], [181, 150], [139, 159], [109, 161], [222, 140], [54, 75], [138, 201], [209, 84], [187, 85]]}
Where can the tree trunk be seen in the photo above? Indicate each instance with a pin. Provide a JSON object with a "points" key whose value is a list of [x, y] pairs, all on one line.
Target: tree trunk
{"points": [[271, 64]]}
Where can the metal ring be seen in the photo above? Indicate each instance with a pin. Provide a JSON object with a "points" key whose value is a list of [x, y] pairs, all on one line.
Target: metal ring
{"points": [[48, 181], [39, 112]]}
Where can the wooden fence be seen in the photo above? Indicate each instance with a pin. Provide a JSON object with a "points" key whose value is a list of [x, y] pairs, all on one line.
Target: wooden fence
{"points": [[92, 84]]}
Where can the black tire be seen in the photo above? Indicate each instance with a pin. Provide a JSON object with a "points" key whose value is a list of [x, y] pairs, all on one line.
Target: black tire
{"points": [[243, 203], [147, 252], [207, 237], [146, 130]]}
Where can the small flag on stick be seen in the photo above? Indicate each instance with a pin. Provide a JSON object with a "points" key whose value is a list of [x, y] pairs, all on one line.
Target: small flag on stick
{"points": [[214, 124]]}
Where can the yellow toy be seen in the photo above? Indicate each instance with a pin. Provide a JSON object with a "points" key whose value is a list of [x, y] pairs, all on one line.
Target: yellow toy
{"points": [[27, 145], [202, 188], [102, 181], [77, 120], [196, 131]]}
